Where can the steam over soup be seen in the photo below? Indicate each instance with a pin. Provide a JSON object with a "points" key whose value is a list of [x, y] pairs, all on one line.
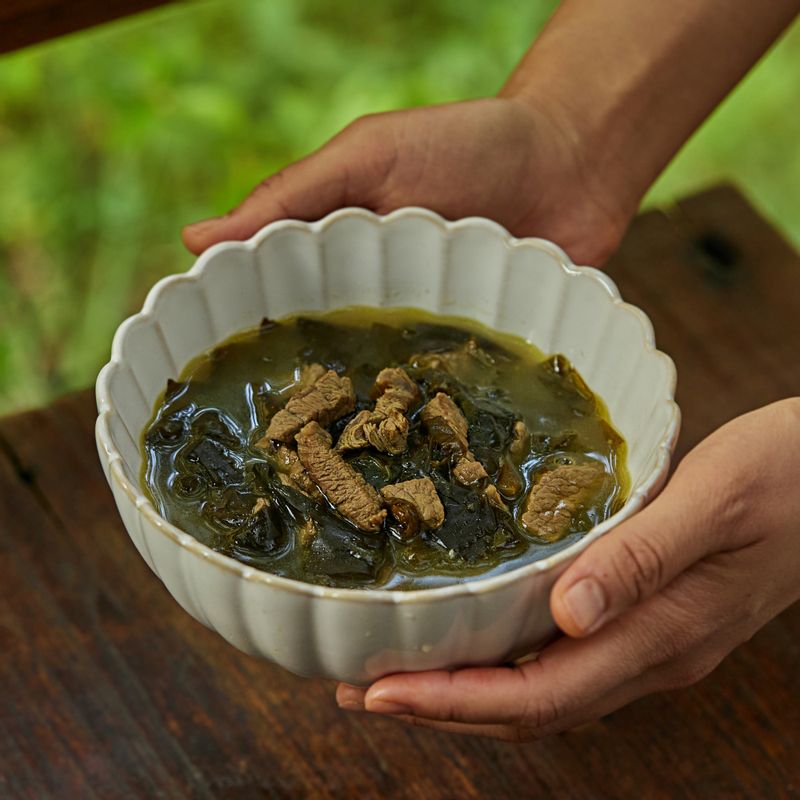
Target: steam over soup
{"points": [[382, 448]]}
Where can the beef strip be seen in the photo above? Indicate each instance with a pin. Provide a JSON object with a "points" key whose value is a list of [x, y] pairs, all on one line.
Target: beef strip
{"points": [[447, 427], [393, 389], [385, 432], [521, 440], [468, 470], [495, 498], [345, 488], [325, 400], [386, 426], [260, 505], [290, 471], [415, 504], [557, 497], [306, 532], [309, 375]]}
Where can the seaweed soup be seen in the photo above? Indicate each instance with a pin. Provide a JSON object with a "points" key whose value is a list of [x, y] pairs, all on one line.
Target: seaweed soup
{"points": [[530, 419]]}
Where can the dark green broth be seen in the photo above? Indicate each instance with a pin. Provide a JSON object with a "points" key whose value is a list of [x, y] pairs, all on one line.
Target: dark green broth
{"points": [[229, 394]]}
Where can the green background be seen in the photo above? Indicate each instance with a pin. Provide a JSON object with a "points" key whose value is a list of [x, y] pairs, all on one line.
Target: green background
{"points": [[111, 140]]}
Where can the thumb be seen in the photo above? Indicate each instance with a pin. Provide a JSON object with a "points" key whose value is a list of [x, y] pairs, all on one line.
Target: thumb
{"points": [[342, 172], [635, 560]]}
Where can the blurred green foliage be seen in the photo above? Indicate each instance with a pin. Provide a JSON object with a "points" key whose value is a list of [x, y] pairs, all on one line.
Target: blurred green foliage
{"points": [[112, 139]]}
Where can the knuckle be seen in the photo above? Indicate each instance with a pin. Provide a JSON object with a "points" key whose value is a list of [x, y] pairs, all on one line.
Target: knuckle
{"points": [[539, 713], [520, 735], [687, 672], [271, 182], [539, 708], [363, 124], [272, 189], [639, 568]]}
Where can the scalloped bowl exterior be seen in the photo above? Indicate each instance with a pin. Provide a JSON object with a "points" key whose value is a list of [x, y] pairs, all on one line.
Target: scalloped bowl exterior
{"points": [[411, 257]]}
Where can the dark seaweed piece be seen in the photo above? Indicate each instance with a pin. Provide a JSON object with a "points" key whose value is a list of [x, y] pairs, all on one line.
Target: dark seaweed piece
{"points": [[491, 428], [174, 388], [263, 533], [417, 461], [439, 338], [189, 485], [339, 550], [167, 432], [265, 402], [435, 380], [363, 378], [220, 353], [212, 424], [170, 429], [292, 505], [558, 374], [542, 443], [378, 468], [218, 463], [330, 345], [228, 509], [397, 347], [267, 324], [473, 527]]}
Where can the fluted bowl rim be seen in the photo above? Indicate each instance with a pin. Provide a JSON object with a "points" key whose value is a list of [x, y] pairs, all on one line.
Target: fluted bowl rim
{"points": [[113, 460]]}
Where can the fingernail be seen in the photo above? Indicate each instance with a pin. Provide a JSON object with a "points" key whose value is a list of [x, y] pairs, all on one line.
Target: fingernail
{"points": [[379, 706], [380, 702], [586, 603], [350, 698]]}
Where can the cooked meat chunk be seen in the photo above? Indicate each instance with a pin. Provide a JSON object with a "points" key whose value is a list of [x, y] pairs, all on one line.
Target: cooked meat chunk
{"points": [[393, 389], [385, 427], [387, 433], [324, 401], [447, 426], [260, 505], [419, 497], [289, 469], [306, 532], [309, 375], [509, 481], [354, 435], [557, 497], [521, 441], [468, 470], [445, 422], [345, 488], [493, 496]]}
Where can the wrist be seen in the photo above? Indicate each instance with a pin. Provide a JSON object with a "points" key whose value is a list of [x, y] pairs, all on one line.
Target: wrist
{"points": [[600, 128], [598, 193]]}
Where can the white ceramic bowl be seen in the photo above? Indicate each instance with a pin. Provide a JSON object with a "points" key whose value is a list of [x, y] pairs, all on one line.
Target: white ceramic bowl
{"points": [[412, 257]]}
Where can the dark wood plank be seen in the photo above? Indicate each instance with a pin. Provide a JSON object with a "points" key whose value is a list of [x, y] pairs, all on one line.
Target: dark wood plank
{"points": [[111, 690], [24, 22], [722, 290]]}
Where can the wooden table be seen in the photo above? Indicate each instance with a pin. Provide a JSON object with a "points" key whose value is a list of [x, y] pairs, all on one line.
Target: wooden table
{"points": [[109, 690]]}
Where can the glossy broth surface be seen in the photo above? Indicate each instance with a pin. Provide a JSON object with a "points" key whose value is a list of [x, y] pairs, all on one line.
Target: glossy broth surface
{"points": [[230, 394]]}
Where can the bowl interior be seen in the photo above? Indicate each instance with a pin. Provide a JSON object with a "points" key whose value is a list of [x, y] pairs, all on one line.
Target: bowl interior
{"points": [[470, 268]]}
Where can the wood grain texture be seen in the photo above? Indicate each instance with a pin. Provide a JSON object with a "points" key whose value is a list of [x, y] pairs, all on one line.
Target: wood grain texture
{"points": [[24, 22], [111, 691]]}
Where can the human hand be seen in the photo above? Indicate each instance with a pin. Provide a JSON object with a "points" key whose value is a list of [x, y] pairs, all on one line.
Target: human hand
{"points": [[519, 163], [654, 605]]}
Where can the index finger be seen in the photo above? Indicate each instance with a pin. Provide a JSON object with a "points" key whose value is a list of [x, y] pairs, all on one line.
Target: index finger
{"points": [[568, 676]]}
